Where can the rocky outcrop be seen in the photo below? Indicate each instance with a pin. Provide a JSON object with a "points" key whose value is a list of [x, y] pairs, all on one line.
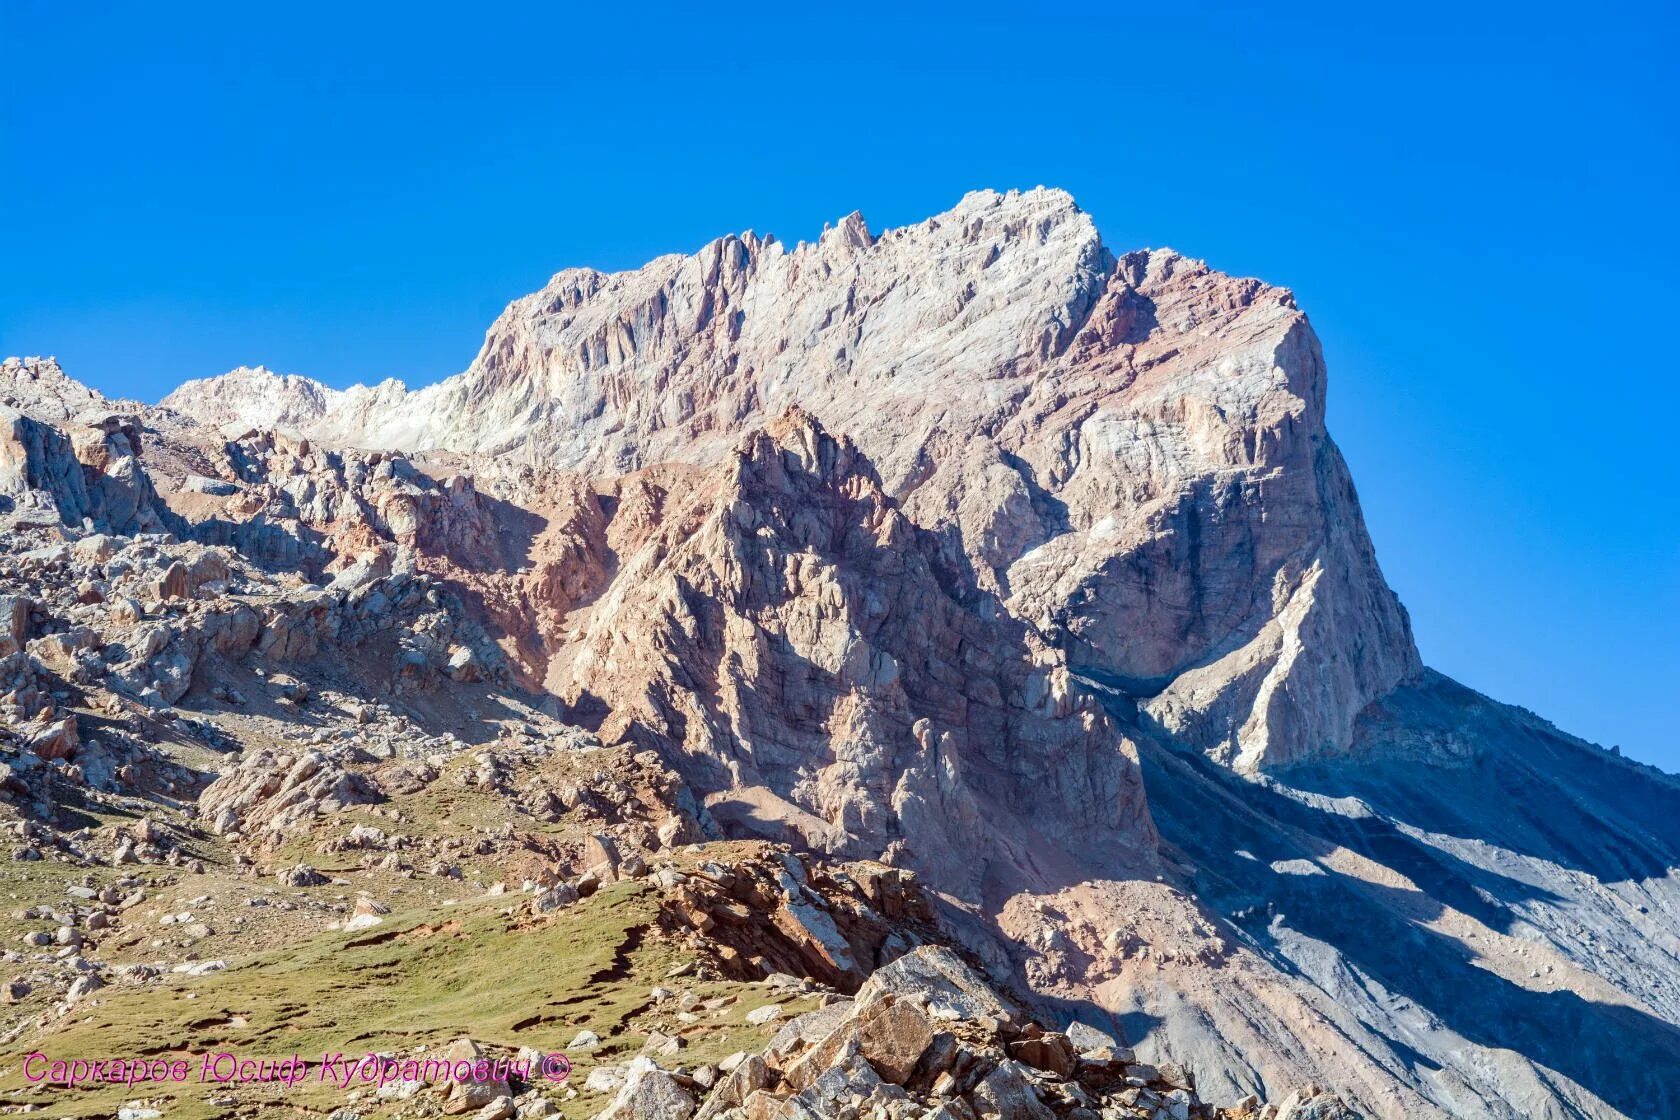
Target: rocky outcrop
{"points": [[86, 471], [799, 918], [904, 1047], [810, 655], [269, 793]]}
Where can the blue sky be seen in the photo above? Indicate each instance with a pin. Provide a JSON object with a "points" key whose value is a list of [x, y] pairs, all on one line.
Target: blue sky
{"points": [[1475, 204]]}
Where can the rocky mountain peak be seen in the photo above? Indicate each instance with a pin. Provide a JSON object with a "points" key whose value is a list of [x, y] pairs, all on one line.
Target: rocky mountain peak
{"points": [[909, 611], [1057, 414], [40, 387], [254, 396]]}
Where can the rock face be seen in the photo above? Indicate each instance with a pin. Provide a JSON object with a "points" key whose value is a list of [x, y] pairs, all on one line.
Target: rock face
{"points": [[969, 606], [87, 470], [825, 671], [1129, 452]]}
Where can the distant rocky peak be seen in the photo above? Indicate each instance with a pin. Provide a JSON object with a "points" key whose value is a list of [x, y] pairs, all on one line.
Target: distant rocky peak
{"points": [[39, 387], [254, 396]]}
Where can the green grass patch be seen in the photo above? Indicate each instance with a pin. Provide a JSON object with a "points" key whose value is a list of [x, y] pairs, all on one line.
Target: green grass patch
{"points": [[419, 977]]}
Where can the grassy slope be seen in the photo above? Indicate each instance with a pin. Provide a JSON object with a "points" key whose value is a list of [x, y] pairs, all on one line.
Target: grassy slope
{"points": [[420, 977]]}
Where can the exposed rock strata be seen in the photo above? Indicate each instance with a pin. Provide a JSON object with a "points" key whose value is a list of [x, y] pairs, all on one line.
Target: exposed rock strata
{"points": [[806, 648]]}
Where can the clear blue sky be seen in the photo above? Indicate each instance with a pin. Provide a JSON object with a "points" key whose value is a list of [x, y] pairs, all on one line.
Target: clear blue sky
{"points": [[1476, 205]]}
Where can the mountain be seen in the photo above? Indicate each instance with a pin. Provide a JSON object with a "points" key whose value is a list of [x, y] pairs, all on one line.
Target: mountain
{"points": [[1128, 452], [973, 552]]}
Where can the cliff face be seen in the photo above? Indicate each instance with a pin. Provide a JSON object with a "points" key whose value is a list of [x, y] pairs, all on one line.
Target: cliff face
{"points": [[830, 679], [69, 455], [1129, 453]]}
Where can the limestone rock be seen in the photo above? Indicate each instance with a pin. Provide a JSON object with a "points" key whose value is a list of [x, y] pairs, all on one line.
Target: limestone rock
{"points": [[892, 1036], [940, 978], [302, 876], [1007, 1093], [649, 1091]]}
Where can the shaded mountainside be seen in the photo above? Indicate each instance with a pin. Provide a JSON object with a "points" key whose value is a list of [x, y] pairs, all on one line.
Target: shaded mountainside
{"points": [[1516, 902], [971, 552]]}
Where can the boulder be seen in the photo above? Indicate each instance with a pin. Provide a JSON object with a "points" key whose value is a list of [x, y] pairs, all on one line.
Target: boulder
{"points": [[14, 623], [215, 487], [1051, 1052], [892, 1035], [1087, 1039], [748, 1075], [769, 1013], [302, 876], [554, 898], [464, 665], [84, 986], [600, 855], [849, 1081], [604, 1079], [648, 1093], [952, 989], [58, 739], [1310, 1104], [470, 1096], [1007, 1093]]}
